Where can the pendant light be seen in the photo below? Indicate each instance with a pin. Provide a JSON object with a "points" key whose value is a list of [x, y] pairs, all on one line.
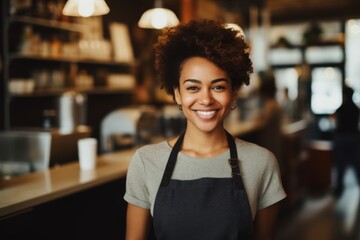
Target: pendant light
{"points": [[85, 8], [158, 17]]}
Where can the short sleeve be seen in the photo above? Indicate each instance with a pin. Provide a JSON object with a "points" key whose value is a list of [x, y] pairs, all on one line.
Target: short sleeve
{"points": [[136, 190], [272, 190]]}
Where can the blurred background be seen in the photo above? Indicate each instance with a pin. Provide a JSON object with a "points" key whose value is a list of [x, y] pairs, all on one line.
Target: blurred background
{"points": [[76, 75]]}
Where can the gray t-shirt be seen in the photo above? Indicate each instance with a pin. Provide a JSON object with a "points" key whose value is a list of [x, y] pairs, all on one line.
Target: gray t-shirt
{"points": [[259, 168]]}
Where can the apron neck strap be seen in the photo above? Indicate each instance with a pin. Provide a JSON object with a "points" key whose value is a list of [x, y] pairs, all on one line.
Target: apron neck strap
{"points": [[232, 146], [233, 161], [172, 161]]}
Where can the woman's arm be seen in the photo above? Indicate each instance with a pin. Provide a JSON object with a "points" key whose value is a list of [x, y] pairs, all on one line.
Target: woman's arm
{"points": [[137, 222], [265, 223]]}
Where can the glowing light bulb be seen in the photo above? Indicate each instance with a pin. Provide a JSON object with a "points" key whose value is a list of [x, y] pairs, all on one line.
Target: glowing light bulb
{"points": [[86, 8], [158, 19]]}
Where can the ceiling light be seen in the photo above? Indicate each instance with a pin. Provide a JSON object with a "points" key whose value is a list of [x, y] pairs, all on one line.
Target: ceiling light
{"points": [[158, 17], [85, 8]]}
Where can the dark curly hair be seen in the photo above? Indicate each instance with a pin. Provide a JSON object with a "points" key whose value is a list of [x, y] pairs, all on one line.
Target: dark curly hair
{"points": [[203, 38]]}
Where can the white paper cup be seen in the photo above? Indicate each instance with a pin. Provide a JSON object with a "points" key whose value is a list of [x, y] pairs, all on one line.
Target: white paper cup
{"points": [[87, 150]]}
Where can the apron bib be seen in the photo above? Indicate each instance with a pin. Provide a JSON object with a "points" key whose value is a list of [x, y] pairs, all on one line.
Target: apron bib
{"points": [[206, 208]]}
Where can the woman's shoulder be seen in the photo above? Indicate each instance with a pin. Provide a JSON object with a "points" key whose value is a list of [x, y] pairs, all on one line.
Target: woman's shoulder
{"points": [[244, 144], [253, 152], [162, 145], [154, 150]]}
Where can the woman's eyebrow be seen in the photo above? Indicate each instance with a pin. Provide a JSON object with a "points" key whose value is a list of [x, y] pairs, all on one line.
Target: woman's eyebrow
{"points": [[192, 81], [213, 81], [219, 80]]}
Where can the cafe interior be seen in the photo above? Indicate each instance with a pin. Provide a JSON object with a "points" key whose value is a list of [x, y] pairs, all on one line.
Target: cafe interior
{"points": [[84, 69]]}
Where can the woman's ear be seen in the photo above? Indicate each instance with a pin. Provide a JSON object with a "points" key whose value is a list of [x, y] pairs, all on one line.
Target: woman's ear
{"points": [[177, 96]]}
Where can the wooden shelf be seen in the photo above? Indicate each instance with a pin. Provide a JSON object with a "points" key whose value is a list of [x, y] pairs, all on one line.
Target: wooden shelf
{"points": [[326, 43], [312, 44], [59, 91], [38, 63], [67, 26], [19, 56]]}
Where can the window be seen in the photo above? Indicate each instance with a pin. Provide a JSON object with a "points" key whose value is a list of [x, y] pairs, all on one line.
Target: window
{"points": [[326, 91]]}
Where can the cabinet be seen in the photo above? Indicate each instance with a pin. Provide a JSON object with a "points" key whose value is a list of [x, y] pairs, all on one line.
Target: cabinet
{"points": [[94, 213], [46, 54], [295, 161]]}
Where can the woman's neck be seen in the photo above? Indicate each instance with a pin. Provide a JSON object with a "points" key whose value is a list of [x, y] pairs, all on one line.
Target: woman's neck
{"points": [[202, 144]]}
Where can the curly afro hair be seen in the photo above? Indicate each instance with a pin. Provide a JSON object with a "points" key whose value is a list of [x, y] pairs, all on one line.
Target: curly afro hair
{"points": [[209, 39]]}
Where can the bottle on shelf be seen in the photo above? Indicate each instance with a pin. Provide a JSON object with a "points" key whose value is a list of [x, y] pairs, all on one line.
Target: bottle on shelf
{"points": [[55, 47], [25, 46]]}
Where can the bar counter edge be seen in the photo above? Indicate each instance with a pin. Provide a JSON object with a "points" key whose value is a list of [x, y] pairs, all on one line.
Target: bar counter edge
{"points": [[24, 192]]}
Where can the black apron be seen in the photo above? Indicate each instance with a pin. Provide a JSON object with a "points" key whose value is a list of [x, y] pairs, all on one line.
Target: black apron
{"points": [[206, 208]]}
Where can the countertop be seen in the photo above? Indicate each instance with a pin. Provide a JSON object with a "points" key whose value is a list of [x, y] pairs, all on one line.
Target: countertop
{"points": [[23, 192]]}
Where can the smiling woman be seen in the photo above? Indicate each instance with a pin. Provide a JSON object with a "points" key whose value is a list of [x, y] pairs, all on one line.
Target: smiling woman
{"points": [[203, 184]]}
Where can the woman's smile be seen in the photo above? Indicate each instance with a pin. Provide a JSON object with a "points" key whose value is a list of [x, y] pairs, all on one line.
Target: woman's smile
{"points": [[206, 114]]}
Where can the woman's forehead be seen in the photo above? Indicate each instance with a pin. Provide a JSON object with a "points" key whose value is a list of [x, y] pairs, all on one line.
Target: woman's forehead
{"points": [[200, 68]]}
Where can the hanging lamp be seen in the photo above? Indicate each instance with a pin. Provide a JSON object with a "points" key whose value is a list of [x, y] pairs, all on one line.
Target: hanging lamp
{"points": [[158, 17], [85, 8]]}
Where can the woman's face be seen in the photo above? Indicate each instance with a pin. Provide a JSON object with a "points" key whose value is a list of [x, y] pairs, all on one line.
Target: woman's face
{"points": [[205, 94]]}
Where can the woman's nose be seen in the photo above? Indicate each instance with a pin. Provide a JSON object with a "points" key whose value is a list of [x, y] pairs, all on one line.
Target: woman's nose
{"points": [[206, 97]]}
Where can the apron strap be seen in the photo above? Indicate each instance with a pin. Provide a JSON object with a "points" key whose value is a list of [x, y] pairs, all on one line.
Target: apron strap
{"points": [[232, 146], [172, 161], [234, 162]]}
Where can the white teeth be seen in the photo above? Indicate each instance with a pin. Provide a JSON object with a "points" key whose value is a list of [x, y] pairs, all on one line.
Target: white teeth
{"points": [[206, 113]]}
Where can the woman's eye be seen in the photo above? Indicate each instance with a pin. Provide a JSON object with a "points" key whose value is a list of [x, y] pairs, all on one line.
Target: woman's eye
{"points": [[219, 88], [192, 88]]}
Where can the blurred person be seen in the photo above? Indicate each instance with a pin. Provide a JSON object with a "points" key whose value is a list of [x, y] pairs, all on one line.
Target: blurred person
{"points": [[346, 139], [203, 184], [270, 117]]}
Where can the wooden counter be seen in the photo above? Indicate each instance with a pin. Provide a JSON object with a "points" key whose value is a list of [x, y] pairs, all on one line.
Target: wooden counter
{"points": [[23, 192]]}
